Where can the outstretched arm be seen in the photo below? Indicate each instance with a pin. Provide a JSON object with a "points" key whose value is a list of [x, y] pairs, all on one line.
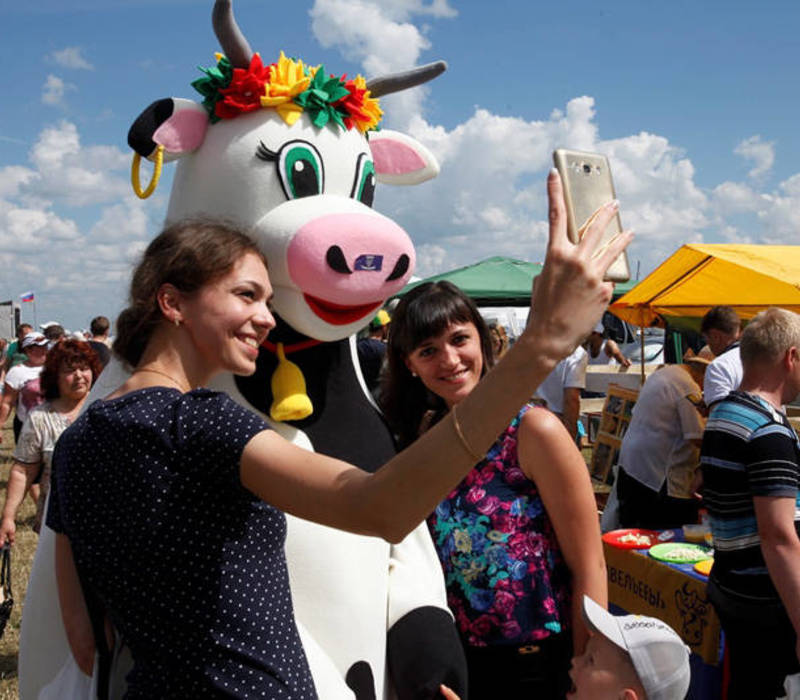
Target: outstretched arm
{"points": [[613, 352], [571, 295], [550, 459]]}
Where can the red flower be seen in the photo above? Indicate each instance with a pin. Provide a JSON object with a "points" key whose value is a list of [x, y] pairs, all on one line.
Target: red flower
{"points": [[489, 505], [359, 110], [474, 495], [244, 92], [482, 625], [504, 603]]}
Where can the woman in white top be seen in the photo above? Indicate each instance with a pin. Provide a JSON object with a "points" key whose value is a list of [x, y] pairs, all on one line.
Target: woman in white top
{"points": [[21, 388], [66, 378]]}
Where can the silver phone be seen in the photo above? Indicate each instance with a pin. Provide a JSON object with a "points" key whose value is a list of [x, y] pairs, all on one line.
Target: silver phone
{"points": [[587, 186]]}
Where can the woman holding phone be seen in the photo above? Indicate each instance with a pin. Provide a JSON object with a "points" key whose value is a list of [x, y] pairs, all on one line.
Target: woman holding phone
{"points": [[169, 498]]}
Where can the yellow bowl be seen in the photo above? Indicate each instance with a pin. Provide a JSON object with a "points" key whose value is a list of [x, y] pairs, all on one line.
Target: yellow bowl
{"points": [[696, 533]]}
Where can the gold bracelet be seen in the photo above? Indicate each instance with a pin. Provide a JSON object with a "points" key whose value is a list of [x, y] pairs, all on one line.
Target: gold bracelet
{"points": [[461, 437]]}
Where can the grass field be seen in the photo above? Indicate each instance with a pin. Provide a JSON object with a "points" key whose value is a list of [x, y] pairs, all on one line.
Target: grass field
{"points": [[21, 559]]}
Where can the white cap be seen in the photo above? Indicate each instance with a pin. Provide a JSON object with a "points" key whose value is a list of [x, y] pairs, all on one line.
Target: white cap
{"points": [[659, 656], [33, 338]]}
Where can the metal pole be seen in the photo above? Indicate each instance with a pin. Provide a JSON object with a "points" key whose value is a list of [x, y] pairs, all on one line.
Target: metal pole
{"points": [[641, 341]]}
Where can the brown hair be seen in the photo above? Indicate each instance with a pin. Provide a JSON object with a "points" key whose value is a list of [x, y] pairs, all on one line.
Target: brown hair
{"points": [[188, 255], [68, 353], [723, 318], [424, 312]]}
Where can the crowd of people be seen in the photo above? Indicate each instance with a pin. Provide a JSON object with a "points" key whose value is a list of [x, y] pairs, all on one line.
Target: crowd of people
{"points": [[488, 458]]}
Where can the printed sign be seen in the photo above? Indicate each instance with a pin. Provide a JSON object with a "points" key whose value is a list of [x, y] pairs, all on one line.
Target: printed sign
{"points": [[641, 585]]}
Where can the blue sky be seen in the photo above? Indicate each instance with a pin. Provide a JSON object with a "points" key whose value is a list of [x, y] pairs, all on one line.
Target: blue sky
{"points": [[695, 103]]}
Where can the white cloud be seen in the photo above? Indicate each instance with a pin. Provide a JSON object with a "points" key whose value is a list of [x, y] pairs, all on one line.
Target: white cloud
{"points": [[87, 253], [74, 173], [54, 89], [71, 57], [760, 153], [12, 178], [123, 223], [381, 37], [490, 197], [33, 230]]}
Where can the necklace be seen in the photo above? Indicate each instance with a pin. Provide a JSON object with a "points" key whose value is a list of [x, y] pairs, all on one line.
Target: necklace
{"points": [[163, 374]]}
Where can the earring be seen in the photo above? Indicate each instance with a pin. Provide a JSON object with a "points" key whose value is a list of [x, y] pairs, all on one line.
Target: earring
{"points": [[177, 323], [414, 374]]}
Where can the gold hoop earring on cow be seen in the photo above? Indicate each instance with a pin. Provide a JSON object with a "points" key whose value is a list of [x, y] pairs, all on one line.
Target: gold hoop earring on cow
{"points": [[137, 186]]}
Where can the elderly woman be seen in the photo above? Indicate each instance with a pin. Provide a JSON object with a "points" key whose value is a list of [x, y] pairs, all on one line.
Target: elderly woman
{"points": [[67, 376]]}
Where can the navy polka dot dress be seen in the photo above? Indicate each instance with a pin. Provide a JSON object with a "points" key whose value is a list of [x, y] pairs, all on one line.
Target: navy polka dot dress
{"points": [[189, 564]]}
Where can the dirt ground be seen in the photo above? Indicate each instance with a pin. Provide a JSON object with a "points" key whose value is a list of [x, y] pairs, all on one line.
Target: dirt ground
{"points": [[21, 559]]}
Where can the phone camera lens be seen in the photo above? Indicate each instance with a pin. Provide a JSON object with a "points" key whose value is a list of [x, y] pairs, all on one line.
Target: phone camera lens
{"points": [[587, 168]]}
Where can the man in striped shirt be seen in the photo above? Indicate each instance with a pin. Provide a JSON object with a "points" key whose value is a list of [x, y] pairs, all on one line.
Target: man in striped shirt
{"points": [[751, 471]]}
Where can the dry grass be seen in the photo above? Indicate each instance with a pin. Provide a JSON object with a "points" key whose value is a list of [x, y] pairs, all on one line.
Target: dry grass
{"points": [[21, 559]]}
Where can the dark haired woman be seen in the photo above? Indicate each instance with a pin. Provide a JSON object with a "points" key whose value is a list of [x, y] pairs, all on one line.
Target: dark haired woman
{"points": [[67, 376], [518, 538], [167, 498]]}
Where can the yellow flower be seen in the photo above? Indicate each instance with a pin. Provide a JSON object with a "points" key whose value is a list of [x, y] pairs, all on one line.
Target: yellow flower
{"points": [[462, 541], [370, 108], [287, 80], [472, 570]]}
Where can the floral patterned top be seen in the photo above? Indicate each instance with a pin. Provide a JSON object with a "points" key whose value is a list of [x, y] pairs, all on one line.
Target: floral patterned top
{"points": [[507, 582]]}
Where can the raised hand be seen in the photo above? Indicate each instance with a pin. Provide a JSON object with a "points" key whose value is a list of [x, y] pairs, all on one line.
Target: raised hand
{"points": [[570, 294]]}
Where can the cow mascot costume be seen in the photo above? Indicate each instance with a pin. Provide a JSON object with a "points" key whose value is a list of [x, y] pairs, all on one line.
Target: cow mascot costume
{"points": [[292, 154]]}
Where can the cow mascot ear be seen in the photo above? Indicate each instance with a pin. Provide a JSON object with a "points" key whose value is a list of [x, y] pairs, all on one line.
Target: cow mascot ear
{"points": [[400, 159], [165, 131]]}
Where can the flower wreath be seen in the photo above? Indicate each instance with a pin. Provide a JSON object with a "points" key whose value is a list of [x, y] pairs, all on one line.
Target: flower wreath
{"points": [[291, 88]]}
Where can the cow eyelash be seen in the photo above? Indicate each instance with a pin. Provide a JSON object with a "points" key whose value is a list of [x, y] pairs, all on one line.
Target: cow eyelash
{"points": [[265, 153]]}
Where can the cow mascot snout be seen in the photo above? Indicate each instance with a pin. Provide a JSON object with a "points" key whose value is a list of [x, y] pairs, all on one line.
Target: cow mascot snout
{"points": [[292, 154]]}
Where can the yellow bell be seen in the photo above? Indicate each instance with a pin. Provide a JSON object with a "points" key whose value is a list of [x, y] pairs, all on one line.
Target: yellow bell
{"points": [[289, 398]]}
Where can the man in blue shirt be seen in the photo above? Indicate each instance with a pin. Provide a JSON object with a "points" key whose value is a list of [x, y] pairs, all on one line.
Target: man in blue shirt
{"points": [[751, 470]]}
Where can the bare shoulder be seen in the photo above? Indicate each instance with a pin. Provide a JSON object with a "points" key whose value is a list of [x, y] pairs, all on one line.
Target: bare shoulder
{"points": [[539, 424]]}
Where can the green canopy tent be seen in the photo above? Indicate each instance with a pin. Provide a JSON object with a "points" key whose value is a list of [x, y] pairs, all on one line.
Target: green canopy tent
{"points": [[498, 281]]}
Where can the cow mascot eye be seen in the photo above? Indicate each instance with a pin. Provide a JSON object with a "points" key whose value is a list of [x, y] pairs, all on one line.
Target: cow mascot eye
{"points": [[299, 166], [364, 184]]}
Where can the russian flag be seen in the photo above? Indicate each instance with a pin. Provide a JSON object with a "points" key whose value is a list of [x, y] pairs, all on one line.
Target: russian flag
{"points": [[28, 296]]}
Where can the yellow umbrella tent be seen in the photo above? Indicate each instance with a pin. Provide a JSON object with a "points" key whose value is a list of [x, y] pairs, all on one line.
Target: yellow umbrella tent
{"points": [[749, 278], [697, 277]]}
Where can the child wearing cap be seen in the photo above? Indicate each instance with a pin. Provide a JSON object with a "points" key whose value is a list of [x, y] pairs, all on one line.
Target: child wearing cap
{"points": [[632, 657]]}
